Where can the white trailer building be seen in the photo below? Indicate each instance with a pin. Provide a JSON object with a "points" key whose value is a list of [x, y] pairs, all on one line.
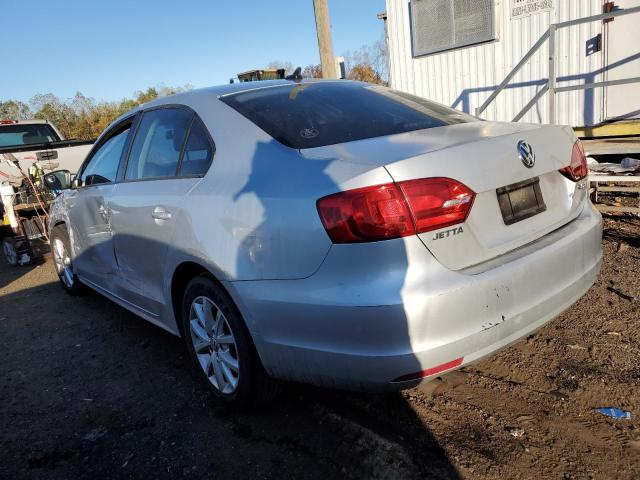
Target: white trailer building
{"points": [[458, 52]]}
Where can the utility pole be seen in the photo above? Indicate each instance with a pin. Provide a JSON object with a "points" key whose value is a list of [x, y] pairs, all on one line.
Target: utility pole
{"points": [[325, 45]]}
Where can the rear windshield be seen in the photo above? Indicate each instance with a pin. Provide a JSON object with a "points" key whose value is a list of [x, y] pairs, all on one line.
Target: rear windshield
{"points": [[309, 115], [26, 134]]}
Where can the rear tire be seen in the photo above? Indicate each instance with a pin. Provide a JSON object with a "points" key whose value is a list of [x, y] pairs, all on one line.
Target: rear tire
{"points": [[61, 252], [221, 347]]}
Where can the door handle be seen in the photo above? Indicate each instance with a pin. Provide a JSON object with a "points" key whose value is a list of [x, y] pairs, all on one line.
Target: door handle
{"points": [[160, 213]]}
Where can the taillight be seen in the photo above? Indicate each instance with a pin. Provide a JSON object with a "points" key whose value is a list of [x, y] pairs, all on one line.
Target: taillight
{"points": [[394, 210], [577, 169], [366, 214], [437, 202]]}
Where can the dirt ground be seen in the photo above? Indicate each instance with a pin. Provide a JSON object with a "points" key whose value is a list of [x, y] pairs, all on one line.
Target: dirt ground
{"points": [[90, 391]]}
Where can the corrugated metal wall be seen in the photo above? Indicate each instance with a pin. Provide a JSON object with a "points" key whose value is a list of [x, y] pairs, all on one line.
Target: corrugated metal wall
{"points": [[465, 77]]}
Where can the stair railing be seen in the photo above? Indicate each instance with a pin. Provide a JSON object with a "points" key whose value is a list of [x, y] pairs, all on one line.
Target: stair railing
{"points": [[550, 85]]}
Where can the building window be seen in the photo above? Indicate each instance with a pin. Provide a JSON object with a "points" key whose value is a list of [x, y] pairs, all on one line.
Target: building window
{"points": [[439, 25]]}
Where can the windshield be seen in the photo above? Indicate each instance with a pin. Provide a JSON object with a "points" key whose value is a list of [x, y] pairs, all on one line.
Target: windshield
{"points": [[26, 134], [309, 115]]}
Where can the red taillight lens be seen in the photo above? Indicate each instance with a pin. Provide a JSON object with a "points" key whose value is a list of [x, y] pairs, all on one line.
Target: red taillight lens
{"points": [[577, 169], [437, 202], [394, 210], [366, 214]]}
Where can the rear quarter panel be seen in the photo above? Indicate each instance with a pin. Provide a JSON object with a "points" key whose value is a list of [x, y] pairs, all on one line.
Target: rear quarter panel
{"points": [[253, 216]]}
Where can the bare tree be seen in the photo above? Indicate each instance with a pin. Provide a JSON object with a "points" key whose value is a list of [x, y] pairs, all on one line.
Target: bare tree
{"points": [[369, 63], [312, 71], [15, 110]]}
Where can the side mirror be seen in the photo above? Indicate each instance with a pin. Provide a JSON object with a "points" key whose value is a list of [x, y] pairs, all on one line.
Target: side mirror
{"points": [[58, 181], [76, 183]]}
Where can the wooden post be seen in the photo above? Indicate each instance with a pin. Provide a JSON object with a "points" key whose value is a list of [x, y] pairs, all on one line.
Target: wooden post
{"points": [[325, 44]]}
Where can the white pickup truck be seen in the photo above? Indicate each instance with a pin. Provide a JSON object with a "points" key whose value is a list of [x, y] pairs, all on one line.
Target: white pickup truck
{"points": [[31, 141], [28, 151]]}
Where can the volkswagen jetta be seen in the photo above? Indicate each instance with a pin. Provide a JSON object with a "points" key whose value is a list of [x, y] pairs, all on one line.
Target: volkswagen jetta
{"points": [[330, 232]]}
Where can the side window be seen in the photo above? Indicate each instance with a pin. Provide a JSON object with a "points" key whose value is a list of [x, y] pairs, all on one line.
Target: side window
{"points": [[156, 148], [103, 166], [197, 151]]}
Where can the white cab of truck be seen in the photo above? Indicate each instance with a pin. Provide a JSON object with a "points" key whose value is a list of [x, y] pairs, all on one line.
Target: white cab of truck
{"points": [[29, 141]]}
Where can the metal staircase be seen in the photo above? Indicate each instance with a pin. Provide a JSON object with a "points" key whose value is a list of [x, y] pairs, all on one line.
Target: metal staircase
{"points": [[550, 87]]}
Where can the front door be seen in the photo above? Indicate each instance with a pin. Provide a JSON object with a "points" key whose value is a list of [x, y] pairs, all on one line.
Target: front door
{"points": [[91, 234], [89, 211]]}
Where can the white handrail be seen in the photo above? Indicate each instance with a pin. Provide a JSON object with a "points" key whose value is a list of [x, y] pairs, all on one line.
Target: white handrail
{"points": [[551, 81]]}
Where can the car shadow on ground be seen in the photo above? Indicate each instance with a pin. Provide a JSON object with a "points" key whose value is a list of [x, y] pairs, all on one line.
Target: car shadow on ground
{"points": [[92, 390]]}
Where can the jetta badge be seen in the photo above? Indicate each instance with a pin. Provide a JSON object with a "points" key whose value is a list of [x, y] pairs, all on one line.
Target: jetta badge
{"points": [[525, 152]]}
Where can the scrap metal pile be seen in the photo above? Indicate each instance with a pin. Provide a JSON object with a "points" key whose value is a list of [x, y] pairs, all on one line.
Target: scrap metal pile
{"points": [[24, 217]]}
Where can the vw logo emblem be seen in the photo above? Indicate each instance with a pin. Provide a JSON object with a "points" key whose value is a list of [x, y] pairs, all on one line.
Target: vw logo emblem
{"points": [[525, 152], [309, 133]]}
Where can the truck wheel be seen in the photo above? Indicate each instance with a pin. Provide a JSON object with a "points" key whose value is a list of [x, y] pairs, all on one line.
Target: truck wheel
{"points": [[61, 249], [9, 251]]}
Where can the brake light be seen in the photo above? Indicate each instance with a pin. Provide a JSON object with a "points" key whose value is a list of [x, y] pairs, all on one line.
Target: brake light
{"points": [[577, 169], [437, 202], [5, 121], [393, 210], [366, 214]]}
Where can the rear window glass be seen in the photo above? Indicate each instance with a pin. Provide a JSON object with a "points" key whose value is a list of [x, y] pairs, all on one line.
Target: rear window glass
{"points": [[22, 134], [309, 115]]}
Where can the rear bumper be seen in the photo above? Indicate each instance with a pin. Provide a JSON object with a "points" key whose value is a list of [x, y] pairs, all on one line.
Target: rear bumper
{"points": [[376, 312]]}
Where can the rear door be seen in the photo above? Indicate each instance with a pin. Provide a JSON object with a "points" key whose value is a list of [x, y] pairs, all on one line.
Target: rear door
{"points": [[171, 151], [89, 212]]}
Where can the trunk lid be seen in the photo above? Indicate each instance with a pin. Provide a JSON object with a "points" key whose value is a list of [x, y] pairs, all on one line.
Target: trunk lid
{"points": [[484, 157]]}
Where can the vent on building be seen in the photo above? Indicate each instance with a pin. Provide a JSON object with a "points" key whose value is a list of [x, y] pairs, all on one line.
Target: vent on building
{"points": [[438, 25]]}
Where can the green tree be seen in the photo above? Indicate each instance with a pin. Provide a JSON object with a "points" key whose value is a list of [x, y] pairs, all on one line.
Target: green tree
{"points": [[49, 107], [81, 116], [15, 110]]}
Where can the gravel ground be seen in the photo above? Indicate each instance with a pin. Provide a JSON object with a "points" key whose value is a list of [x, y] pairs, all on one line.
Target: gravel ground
{"points": [[90, 391]]}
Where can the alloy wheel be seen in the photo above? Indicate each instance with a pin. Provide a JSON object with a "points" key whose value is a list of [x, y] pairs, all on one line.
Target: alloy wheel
{"points": [[214, 344], [63, 262]]}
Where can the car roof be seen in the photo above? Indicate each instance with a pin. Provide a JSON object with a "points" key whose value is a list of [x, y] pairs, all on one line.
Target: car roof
{"points": [[231, 88], [219, 91]]}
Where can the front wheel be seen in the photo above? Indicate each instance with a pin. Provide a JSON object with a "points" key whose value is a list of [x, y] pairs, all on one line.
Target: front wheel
{"points": [[220, 345], [61, 249]]}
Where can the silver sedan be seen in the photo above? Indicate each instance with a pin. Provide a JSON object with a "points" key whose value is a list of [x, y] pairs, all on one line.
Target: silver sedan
{"points": [[329, 232]]}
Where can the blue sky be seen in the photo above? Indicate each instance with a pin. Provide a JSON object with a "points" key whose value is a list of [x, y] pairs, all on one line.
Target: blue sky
{"points": [[110, 49]]}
